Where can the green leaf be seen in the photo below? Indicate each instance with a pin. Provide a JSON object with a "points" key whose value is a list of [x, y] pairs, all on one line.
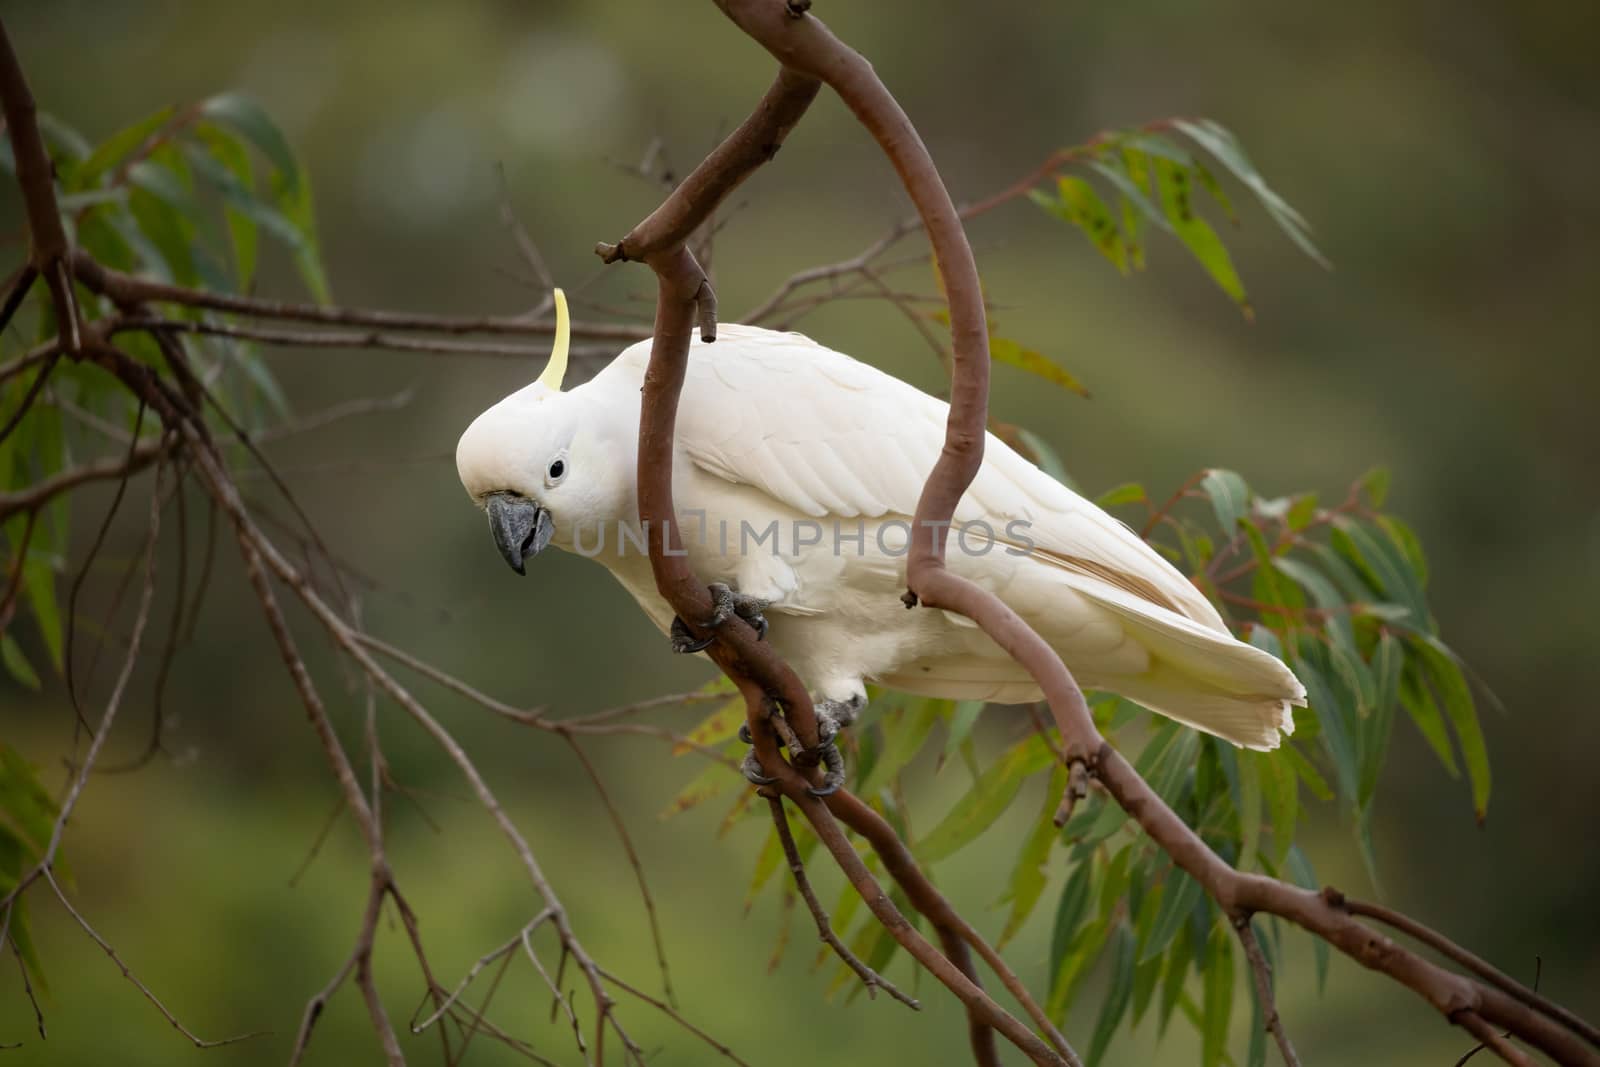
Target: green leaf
{"points": [[1336, 736], [988, 799], [1216, 139], [962, 720], [1270, 587], [26, 804], [1417, 699], [1386, 562], [1302, 875], [1071, 907], [1075, 963], [1409, 544], [1008, 351], [1230, 497], [17, 664], [766, 863], [1209, 182], [1174, 187], [1327, 598], [1257, 1054], [1249, 808], [1176, 971], [1302, 511], [715, 780], [1027, 877], [1375, 483], [39, 582], [1178, 899], [1388, 661], [716, 728], [1444, 673], [1217, 1006], [291, 192], [1082, 206], [243, 115], [1281, 792], [1126, 493], [157, 208], [293, 198], [1115, 170], [67, 146], [232, 159], [114, 149], [1118, 992], [905, 729]]}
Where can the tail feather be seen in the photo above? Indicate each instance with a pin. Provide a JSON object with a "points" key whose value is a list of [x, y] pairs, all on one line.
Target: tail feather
{"points": [[1209, 679]]}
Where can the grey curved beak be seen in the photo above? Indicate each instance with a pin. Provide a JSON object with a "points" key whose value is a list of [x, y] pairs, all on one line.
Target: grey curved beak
{"points": [[521, 527]]}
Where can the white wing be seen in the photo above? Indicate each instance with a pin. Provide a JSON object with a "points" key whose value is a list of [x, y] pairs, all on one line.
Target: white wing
{"points": [[830, 436]]}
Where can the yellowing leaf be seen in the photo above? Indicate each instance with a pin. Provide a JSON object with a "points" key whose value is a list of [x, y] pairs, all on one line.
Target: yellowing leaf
{"points": [[1005, 350]]}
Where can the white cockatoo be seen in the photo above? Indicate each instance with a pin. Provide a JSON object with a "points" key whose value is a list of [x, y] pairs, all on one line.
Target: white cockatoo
{"points": [[796, 474]]}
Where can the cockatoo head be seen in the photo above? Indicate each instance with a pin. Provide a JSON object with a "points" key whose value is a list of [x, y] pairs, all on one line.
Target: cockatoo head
{"points": [[536, 464]]}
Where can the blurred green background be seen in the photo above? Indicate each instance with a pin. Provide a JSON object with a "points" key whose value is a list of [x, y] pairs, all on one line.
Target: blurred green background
{"points": [[1446, 155]]}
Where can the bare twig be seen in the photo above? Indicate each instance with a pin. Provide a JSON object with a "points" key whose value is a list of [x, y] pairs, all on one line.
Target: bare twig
{"points": [[27, 989], [127, 972], [347, 339], [1262, 972], [1472, 962], [869, 977], [136, 459], [633, 862], [1489, 1038], [127, 289], [670, 1012]]}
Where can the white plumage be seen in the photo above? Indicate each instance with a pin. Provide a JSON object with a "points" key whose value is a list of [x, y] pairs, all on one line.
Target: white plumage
{"points": [[775, 428]]}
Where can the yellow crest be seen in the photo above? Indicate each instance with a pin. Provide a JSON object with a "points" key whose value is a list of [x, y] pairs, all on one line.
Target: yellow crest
{"points": [[556, 369]]}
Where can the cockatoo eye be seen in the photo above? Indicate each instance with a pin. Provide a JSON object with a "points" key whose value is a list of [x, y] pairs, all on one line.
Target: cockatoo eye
{"points": [[557, 471]]}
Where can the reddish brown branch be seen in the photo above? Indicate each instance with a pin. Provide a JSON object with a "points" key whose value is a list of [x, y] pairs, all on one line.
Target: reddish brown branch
{"points": [[1472, 962]]}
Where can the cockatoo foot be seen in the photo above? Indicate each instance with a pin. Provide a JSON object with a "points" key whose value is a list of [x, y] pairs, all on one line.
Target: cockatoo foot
{"points": [[751, 769], [832, 716], [684, 641], [726, 604]]}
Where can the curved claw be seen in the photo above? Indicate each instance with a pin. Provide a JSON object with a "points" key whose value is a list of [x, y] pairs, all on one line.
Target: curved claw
{"points": [[833, 777], [744, 734], [684, 641], [751, 768]]}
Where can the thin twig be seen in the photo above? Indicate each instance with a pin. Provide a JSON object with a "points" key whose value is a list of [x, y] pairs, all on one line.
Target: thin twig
{"points": [[1491, 1039], [27, 988], [1476, 964], [127, 972], [671, 1013], [633, 861], [869, 977], [1262, 970], [349, 339], [127, 289]]}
